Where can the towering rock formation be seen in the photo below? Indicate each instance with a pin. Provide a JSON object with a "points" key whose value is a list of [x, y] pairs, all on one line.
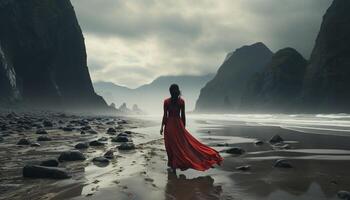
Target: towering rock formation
{"points": [[43, 57], [224, 92], [327, 82], [278, 87]]}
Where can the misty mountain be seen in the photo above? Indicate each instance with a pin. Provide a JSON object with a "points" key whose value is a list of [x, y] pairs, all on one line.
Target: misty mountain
{"points": [[327, 83], [278, 87], [224, 92], [43, 57], [149, 97]]}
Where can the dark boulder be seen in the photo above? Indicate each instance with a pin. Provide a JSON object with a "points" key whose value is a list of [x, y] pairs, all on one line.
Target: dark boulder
{"points": [[235, 150], [111, 131], [35, 171], [41, 132], [343, 195], [82, 145], [281, 163], [120, 139], [23, 141], [109, 154], [276, 139], [43, 138], [73, 155], [96, 143], [126, 146], [50, 163], [100, 160]]}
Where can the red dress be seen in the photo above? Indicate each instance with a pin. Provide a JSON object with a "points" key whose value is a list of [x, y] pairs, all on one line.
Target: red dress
{"points": [[184, 151]]}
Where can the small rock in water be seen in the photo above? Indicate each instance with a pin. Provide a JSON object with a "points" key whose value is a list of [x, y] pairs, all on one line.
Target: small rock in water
{"points": [[126, 146], [82, 133], [82, 145], [235, 150], [47, 124], [103, 139], [243, 168], [35, 144], [41, 132], [128, 132], [109, 154], [23, 141], [222, 145], [111, 131], [50, 163], [73, 155], [44, 138], [281, 163], [68, 129], [120, 139], [85, 128], [344, 195], [259, 142], [276, 139], [96, 143], [100, 159], [35, 171], [122, 135]]}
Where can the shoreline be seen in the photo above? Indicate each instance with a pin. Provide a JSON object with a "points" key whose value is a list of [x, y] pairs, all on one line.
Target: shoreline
{"points": [[319, 162]]}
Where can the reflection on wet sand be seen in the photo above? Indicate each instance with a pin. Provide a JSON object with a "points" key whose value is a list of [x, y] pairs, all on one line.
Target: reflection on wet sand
{"points": [[179, 187]]}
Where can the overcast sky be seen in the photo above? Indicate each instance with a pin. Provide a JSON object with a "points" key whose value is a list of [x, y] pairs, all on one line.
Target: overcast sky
{"points": [[131, 42]]}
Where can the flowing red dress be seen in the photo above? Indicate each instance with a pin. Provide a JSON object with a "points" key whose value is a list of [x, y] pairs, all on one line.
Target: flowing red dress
{"points": [[183, 150]]}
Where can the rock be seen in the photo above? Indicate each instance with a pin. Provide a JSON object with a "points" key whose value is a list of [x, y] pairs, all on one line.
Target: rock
{"points": [[43, 138], [68, 129], [281, 163], [96, 143], [35, 171], [128, 132], [126, 146], [85, 128], [100, 159], [23, 141], [276, 139], [82, 146], [122, 135], [110, 123], [35, 144], [111, 131], [120, 139], [73, 155], [50, 163], [222, 145], [343, 195], [41, 132], [235, 150], [243, 168], [82, 133], [47, 124], [259, 142], [103, 139], [109, 154]]}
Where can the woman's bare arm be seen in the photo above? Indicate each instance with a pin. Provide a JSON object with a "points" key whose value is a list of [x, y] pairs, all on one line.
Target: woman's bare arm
{"points": [[164, 119]]}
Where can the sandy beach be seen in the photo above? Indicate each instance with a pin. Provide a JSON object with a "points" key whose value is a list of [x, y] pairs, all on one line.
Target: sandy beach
{"points": [[318, 154]]}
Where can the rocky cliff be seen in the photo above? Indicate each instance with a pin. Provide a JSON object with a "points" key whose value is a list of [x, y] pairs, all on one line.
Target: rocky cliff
{"points": [[278, 87], [42, 56], [327, 82], [224, 92]]}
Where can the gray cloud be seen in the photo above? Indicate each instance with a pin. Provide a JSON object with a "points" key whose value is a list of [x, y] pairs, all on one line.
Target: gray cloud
{"points": [[132, 42]]}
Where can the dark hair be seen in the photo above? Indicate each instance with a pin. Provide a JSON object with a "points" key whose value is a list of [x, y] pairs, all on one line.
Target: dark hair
{"points": [[174, 92]]}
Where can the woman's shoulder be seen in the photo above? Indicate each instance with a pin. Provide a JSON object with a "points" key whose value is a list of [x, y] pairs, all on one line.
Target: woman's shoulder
{"points": [[181, 100]]}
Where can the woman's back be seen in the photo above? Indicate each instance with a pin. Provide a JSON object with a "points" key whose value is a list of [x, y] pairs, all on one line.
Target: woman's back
{"points": [[173, 109]]}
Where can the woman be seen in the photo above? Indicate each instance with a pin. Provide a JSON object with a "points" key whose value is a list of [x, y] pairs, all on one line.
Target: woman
{"points": [[184, 151]]}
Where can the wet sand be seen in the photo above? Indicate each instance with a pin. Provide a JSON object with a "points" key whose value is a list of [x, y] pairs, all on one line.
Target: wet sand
{"points": [[320, 164]]}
